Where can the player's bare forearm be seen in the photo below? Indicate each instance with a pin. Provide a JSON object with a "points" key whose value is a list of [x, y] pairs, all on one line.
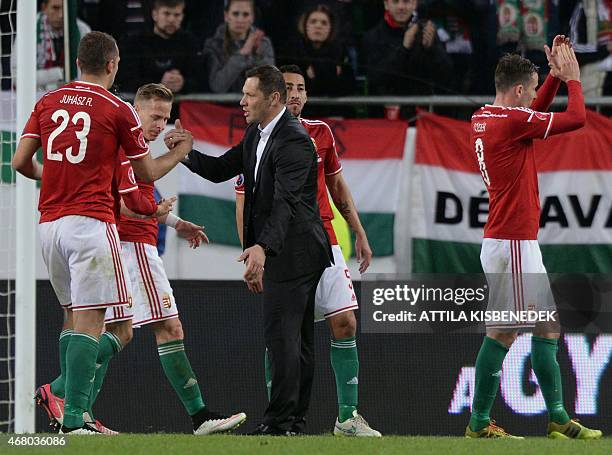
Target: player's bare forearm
{"points": [[167, 162], [150, 170], [343, 200], [341, 195], [240, 216], [24, 161]]}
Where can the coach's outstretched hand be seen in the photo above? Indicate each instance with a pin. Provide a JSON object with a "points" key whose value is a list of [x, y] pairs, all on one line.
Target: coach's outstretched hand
{"points": [[255, 258]]}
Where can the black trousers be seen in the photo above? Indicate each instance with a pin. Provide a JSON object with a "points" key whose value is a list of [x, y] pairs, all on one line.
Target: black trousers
{"points": [[289, 335]]}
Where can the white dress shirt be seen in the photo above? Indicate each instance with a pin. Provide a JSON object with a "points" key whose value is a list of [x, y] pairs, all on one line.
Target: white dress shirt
{"points": [[264, 135]]}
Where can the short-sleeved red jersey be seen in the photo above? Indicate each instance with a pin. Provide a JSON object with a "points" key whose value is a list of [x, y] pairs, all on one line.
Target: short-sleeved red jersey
{"points": [[327, 164], [81, 127], [502, 138]]}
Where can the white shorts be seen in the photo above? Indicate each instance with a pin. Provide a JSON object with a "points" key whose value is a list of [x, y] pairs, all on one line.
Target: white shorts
{"points": [[517, 278], [83, 259], [152, 296], [335, 293]]}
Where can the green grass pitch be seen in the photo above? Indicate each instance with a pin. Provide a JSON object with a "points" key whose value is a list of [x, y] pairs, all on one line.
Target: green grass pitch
{"points": [[169, 444]]}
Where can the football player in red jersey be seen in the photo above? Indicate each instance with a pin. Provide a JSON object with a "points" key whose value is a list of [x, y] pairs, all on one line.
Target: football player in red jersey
{"points": [[51, 396], [153, 301], [80, 127], [335, 299], [502, 137]]}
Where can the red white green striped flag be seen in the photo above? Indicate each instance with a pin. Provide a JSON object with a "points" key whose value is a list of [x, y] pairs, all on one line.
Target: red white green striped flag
{"points": [[371, 152]]}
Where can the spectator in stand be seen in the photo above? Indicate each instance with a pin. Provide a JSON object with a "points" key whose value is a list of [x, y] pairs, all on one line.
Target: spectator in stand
{"points": [[590, 30], [166, 54], [236, 47], [280, 20], [403, 55], [451, 18], [50, 44], [320, 56]]}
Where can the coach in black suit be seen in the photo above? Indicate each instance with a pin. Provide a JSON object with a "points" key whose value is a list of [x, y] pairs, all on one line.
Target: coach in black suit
{"points": [[282, 231]]}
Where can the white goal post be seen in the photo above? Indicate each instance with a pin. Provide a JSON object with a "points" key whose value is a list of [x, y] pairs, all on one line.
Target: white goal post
{"points": [[25, 266]]}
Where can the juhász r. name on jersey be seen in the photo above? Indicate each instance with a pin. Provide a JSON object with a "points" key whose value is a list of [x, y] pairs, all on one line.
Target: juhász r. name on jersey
{"points": [[77, 100]]}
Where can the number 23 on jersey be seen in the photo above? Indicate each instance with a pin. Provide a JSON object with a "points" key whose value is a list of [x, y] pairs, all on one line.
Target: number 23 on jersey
{"points": [[62, 117]]}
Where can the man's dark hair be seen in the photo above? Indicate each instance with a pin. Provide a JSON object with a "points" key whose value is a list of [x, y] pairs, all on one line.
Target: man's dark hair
{"points": [[292, 69], [96, 49], [270, 80], [168, 3], [512, 69], [153, 91]]}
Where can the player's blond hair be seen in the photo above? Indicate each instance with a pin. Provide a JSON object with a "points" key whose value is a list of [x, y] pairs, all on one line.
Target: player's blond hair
{"points": [[153, 91]]}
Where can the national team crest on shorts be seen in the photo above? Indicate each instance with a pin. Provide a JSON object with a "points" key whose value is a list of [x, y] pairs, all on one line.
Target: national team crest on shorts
{"points": [[129, 302], [167, 302]]}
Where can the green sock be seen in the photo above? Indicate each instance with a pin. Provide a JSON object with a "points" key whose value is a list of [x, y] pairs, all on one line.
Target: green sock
{"points": [[488, 373], [345, 363], [546, 368], [268, 374], [80, 369], [109, 346], [178, 371], [58, 386]]}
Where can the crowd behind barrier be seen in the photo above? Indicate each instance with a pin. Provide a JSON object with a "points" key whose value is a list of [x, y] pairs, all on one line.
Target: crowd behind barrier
{"points": [[345, 47]]}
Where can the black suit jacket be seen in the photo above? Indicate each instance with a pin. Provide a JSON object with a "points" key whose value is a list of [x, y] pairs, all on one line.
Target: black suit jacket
{"points": [[280, 205]]}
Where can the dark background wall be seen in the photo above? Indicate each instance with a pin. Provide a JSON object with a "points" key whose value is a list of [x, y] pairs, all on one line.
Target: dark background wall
{"points": [[406, 381]]}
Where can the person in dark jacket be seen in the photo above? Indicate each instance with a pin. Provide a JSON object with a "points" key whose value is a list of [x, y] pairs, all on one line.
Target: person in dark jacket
{"points": [[236, 47], [320, 55], [286, 246], [403, 55], [167, 54]]}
